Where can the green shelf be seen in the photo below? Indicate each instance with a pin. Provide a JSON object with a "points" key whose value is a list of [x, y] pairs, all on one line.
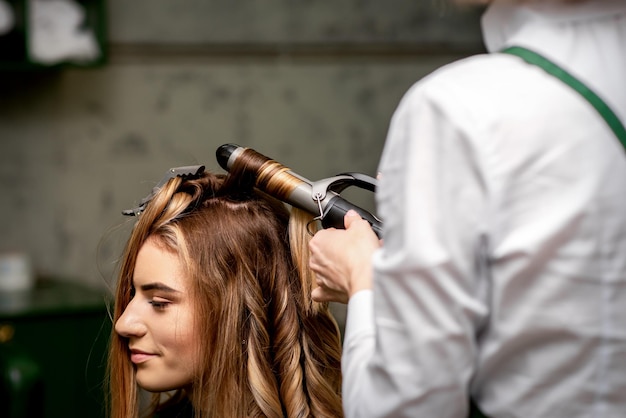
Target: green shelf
{"points": [[55, 337]]}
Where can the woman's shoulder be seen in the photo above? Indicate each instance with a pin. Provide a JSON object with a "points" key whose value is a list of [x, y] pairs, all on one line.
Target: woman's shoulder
{"points": [[182, 409]]}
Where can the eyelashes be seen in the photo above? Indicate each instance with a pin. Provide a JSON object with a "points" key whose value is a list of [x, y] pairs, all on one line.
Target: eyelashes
{"points": [[159, 305]]}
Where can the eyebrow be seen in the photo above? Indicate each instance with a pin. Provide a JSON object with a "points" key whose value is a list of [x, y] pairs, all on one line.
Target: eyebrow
{"points": [[157, 286]]}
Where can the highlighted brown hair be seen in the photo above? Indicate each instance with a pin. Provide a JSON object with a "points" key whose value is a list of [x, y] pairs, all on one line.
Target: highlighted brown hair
{"points": [[268, 350]]}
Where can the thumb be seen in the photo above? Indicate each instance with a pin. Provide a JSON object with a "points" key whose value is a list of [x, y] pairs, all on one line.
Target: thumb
{"points": [[350, 217]]}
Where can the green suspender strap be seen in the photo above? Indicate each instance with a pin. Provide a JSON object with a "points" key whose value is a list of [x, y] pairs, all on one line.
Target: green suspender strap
{"points": [[551, 68]]}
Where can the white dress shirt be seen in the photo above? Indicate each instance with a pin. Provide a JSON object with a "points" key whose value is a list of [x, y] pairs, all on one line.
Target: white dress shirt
{"points": [[503, 271]]}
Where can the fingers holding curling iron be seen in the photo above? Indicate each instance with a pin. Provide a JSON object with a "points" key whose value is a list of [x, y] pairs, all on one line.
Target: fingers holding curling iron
{"points": [[341, 259]]}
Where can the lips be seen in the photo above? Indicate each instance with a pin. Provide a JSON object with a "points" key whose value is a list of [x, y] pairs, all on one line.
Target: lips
{"points": [[139, 356]]}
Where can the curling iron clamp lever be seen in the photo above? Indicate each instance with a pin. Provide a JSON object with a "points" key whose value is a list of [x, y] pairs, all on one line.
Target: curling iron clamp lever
{"points": [[337, 184], [340, 182], [320, 188]]}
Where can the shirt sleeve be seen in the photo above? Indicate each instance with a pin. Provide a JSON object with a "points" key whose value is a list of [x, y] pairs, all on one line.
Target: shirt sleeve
{"points": [[359, 341], [417, 356]]}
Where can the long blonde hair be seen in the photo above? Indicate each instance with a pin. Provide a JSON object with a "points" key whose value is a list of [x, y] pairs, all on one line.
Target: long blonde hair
{"points": [[268, 350]]}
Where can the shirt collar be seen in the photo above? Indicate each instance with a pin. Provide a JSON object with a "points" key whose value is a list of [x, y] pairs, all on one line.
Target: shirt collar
{"points": [[504, 20]]}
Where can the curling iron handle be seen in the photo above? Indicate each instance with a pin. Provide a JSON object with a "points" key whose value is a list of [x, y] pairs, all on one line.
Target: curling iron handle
{"points": [[337, 209]]}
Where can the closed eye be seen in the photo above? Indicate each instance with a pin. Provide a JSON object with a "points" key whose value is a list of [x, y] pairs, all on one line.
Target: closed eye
{"points": [[159, 304]]}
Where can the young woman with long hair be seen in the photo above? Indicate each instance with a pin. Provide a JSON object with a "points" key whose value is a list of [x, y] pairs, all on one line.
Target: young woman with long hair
{"points": [[213, 308]]}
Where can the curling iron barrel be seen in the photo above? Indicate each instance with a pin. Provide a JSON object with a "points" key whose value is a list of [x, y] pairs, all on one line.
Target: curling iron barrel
{"points": [[321, 198]]}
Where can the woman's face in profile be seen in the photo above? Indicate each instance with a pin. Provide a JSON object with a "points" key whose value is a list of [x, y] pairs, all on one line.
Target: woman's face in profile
{"points": [[159, 321]]}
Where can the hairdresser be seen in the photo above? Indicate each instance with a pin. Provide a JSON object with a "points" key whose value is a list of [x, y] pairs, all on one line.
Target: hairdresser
{"points": [[500, 280]]}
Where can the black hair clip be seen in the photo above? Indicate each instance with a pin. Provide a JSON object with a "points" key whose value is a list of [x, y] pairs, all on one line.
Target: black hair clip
{"points": [[184, 172]]}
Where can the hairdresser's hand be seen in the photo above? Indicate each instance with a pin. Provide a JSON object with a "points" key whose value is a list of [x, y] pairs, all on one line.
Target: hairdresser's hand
{"points": [[342, 259]]}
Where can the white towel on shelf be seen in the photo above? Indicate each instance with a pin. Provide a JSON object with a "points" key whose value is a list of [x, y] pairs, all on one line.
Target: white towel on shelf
{"points": [[7, 18], [57, 33]]}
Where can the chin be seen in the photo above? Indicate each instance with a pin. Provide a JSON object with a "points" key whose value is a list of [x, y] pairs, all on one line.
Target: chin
{"points": [[158, 384]]}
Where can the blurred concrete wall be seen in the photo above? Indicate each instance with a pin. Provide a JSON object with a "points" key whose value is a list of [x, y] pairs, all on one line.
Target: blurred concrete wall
{"points": [[311, 84]]}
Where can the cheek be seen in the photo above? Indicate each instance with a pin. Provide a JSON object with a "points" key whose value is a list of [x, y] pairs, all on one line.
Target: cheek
{"points": [[189, 341], [183, 340]]}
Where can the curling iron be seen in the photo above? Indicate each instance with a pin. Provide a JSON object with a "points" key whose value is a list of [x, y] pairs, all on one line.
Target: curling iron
{"points": [[320, 198]]}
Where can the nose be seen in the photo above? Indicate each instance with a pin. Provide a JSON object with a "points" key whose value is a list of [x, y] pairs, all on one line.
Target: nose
{"points": [[130, 323]]}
